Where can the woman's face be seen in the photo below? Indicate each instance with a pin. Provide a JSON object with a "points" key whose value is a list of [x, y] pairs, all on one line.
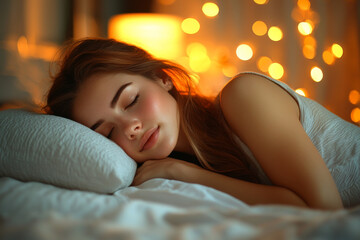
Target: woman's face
{"points": [[135, 112]]}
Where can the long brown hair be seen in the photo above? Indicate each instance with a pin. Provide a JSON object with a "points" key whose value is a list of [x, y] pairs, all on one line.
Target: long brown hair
{"points": [[200, 116]]}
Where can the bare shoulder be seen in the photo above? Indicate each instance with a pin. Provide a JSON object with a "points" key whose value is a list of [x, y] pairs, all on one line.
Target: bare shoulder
{"points": [[252, 92]]}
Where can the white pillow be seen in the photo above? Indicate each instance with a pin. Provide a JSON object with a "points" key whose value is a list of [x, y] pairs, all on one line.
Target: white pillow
{"points": [[58, 151]]}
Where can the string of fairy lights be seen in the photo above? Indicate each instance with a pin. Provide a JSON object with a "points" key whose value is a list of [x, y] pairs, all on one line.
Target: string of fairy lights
{"points": [[198, 59]]}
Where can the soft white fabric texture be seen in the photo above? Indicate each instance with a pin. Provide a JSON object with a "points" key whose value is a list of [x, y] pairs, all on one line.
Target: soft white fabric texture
{"points": [[159, 209], [58, 151]]}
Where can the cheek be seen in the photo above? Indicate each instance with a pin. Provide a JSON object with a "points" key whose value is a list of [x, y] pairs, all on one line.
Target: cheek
{"points": [[152, 106]]}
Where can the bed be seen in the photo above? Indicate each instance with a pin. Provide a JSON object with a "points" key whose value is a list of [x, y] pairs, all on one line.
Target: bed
{"points": [[60, 180]]}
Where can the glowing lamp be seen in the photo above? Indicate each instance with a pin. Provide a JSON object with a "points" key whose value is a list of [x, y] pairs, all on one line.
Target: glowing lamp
{"points": [[159, 34]]}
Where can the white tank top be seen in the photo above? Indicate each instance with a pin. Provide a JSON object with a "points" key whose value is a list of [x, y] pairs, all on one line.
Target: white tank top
{"points": [[337, 140]]}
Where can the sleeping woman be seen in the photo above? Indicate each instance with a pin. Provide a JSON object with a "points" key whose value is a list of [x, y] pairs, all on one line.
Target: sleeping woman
{"points": [[257, 140]]}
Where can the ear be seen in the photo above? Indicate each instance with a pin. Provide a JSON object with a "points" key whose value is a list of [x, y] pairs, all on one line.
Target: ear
{"points": [[166, 83]]}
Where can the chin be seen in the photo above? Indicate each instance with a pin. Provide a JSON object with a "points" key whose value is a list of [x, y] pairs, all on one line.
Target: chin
{"points": [[164, 151]]}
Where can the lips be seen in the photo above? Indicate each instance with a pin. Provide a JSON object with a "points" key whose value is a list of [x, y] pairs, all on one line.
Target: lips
{"points": [[149, 139]]}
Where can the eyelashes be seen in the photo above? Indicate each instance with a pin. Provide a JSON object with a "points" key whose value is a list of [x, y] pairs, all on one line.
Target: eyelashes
{"points": [[133, 102], [110, 133]]}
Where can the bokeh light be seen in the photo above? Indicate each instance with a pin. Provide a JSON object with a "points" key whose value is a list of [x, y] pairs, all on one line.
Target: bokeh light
{"points": [[190, 25], [310, 40], [305, 28], [309, 51], [297, 15], [195, 48], [244, 52], [259, 28], [304, 4], [276, 71], [275, 33], [354, 96], [301, 91], [210, 9], [316, 74], [229, 70], [261, 2], [263, 63], [328, 57], [355, 115], [199, 63], [199, 60], [337, 50]]}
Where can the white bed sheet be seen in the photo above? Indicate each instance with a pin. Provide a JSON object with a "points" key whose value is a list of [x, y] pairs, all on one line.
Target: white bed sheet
{"points": [[158, 209]]}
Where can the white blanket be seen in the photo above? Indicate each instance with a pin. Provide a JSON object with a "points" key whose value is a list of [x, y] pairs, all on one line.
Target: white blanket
{"points": [[158, 209]]}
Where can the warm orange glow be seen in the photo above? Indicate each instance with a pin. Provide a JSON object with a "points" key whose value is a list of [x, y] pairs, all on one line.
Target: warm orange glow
{"points": [[195, 48], [259, 28], [301, 91], [166, 2], [297, 15], [40, 51], [304, 4], [309, 40], [337, 50], [275, 33], [316, 74], [210, 9], [263, 63], [328, 57], [261, 2], [23, 48], [305, 28], [276, 71], [354, 96], [244, 52], [199, 61], [190, 25], [229, 70], [309, 51], [355, 115], [157, 33]]}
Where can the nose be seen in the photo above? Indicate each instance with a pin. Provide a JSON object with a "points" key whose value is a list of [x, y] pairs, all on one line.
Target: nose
{"points": [[132, 129]]}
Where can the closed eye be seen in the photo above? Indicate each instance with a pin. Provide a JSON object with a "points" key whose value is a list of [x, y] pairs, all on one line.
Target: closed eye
{"points": [[133, 102], [110, 133]]}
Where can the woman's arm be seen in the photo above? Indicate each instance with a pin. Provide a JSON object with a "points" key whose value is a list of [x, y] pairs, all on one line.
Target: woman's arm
{"points": [[250, 193], [266, 118]]}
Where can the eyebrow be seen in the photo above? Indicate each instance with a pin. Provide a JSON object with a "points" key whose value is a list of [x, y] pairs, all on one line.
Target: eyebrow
{"points": [[112, 103], [118, 93]]}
